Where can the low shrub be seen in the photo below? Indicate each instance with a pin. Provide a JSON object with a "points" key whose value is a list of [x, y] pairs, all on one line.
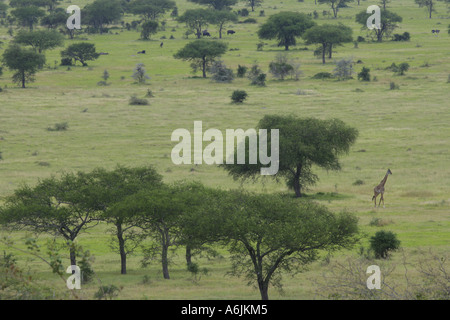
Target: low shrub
{"points": [[135, 101], [239, 96]]}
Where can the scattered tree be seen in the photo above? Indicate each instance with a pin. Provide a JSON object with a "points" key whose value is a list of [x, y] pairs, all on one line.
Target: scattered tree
{"points": [[151, 9], [102, 12], [148, 28], [335, 5], [196, 20], [216, 4], [202, 53], [328, 35], [81, 52], [271, 234], [24, 61], [388, 23], [139, 74], [285, 26], [303, 142], [40, 40]]}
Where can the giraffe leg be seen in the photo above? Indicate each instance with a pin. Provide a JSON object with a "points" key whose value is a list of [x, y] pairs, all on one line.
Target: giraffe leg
{"points": [[381, 198], [375, 199]]}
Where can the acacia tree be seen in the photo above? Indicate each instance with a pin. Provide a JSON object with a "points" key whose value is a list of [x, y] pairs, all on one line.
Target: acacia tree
{"points": [[82, 51], [303, 142], [40, 40], [24, 61], [254, 3], [388, 23], [328, 35], [102, 12], [197, 19], [109, 189], [28, 16], [151, 9], [269, 234], [216, 4], [429, 5], [63, 206], [285, 27], [220, 17], [335, 5], [157, 213], [202, 53]]}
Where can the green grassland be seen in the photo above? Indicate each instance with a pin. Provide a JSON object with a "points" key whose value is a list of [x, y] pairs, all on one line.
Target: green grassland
{"points": [[406, 130]]}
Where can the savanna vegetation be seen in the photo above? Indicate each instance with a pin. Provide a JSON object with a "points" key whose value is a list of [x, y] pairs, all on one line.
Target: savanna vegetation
{"points": [[86, 176]]}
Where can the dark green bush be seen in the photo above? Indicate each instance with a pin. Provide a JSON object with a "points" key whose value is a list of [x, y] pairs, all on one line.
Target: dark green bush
{"points": [[323, 75], [239, 96], [364, 75], [383, 242], [135, 101]]}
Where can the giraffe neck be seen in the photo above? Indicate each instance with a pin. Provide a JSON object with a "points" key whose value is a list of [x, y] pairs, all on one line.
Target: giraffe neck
{"points": [[384, 180]]}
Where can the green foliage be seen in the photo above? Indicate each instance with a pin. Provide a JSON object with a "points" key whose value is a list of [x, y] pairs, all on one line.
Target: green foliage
{"points": [[151, 9], [285, 27], [82, 52], [328, 35], [216, 4], [140, 74], [135, 101], [63, 126], [256, 76], [241, 71], [323, 75], [364, 75], [388, 23], [220, 73], [202, 53], [280, 68], [149, 28], [239, 96], [40, 40], [28, 15], [302, 143], [107, 292], [100, 13], [24, 61], [344, 69], [383, 242]]}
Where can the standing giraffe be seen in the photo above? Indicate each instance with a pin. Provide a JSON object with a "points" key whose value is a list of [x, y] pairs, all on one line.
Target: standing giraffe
{"points": [[379, 189]]}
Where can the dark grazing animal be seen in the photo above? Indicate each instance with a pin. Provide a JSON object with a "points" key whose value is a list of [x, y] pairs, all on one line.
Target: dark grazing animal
{"points": [[206, 33], [231, 32], [141, 52]]}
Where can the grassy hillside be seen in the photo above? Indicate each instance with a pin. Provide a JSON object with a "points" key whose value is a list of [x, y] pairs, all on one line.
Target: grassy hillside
{"points": [[405, 130]]}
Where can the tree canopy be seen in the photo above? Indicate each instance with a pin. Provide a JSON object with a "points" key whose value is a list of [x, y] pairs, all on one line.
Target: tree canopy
{"points": [[82, 51], [388, 23], [216, 4], [202, 53], [285, 27], [302, 143], [24, 61], [40, 40], [328, 35]]}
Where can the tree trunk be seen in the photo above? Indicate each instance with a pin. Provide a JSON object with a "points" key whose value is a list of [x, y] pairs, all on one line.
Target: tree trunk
{"points": [[297, 187], [165, 262], [73, 258], [263, 290], [330, 52], [324, 48], [188, 255], [204, 67], [23, 79], [123, 255]]}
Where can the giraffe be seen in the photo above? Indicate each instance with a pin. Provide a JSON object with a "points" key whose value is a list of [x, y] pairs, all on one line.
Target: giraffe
{"points": [[379, 189]]}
